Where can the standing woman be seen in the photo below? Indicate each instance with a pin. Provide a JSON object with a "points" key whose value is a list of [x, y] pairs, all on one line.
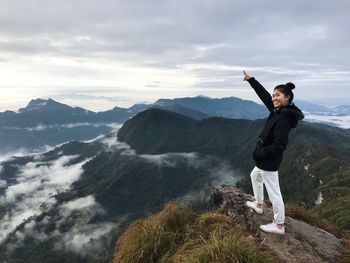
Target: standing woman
{"points": [[268, 152]]}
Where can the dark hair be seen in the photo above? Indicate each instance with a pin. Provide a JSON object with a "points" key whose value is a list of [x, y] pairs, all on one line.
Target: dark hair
{"points": [[286, 89]]}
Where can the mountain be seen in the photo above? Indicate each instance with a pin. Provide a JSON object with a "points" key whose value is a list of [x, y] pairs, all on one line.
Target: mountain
{"points": [[38, 139], [118, 114], [178, 108], [312, 108], [46, 123], [316, 166], [49, 112], [231, 107], [40, 105], [316, 109], [343, 110], [72, 204]]}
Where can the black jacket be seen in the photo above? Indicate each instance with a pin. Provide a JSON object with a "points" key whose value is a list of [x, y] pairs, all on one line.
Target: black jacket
{"points": [[273, 139]]}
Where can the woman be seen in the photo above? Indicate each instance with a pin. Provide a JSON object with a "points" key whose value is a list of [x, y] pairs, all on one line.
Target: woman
{"points": [[268, 152]]}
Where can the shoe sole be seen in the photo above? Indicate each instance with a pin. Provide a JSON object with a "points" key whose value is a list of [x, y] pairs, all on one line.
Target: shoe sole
{"points": [[272, 232]]}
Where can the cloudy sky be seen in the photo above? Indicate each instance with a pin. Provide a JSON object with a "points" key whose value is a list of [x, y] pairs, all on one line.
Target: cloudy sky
{"points": [[99, 54]]}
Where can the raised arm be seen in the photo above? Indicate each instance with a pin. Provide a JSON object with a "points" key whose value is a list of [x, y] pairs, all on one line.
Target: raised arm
{"points": [[263, 94]]}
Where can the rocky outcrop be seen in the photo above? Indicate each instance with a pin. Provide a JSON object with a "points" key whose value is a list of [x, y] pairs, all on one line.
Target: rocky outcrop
{"points": [[302, 242]]}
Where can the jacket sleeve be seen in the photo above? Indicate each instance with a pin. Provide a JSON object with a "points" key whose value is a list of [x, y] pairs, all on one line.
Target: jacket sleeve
{"points": [[263, 94], [280, 134]]}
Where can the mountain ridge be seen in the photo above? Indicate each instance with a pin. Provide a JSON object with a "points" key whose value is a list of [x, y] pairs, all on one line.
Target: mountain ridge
{"points": [[160, 156], [317, 153], [35, 126]]}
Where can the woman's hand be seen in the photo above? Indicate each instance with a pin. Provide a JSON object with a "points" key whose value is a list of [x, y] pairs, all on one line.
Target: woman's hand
{"points": [[246, 76]]}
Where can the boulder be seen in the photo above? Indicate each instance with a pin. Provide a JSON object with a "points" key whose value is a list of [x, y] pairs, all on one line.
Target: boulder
{"points": [[301, 242]]}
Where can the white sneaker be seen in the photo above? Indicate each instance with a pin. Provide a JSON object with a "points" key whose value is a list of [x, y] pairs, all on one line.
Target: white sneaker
{"points": [[253, 205], [272, 228]]}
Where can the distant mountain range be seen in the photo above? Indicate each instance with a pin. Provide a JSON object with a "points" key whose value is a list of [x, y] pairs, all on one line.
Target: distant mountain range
{"points": [[316, 109], [231, 107], [49, 112], [46, 123], [72, 203]]}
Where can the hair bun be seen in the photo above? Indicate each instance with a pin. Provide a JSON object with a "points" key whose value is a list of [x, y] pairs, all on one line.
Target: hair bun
{"points": [[290, 85]]}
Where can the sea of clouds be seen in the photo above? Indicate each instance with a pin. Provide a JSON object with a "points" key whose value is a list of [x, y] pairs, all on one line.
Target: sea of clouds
{"points": [[32, 193]]}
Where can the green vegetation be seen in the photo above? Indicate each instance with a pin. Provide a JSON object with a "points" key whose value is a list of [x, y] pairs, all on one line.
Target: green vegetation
{"points": [[336, 211], [316, 161], [300, 213], [129, 186]]}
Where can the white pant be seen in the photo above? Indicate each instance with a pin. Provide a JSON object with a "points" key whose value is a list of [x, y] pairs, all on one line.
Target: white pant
{"points": [[270, 179]]}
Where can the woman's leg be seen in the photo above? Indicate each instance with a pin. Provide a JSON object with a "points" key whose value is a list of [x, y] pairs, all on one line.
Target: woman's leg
{"points": [[258, 186], [273, 190]]}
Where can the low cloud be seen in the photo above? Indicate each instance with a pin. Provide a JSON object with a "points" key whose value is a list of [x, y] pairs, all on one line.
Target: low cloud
{"points": [[220, 172], [80, 203], [3, 183], [22, 188], [42, 127], [115, 125], [37, 183], [340, 121], [34, 188], [94, 139], [174, 159], [87, 204], [85, 240], [82, 236], [20, 152], [112, 144], [223, 173]]}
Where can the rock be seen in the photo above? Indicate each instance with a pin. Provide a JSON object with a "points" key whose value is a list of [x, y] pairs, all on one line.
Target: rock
{"points": [[301, 242]]}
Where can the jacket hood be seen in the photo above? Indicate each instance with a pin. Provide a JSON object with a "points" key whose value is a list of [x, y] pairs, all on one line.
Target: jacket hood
{"points": [[294, 112]]}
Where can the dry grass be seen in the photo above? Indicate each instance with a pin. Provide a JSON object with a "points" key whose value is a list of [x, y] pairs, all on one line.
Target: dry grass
{"points": [[220, 247], [148, 240], [345, 257], [177, 234], [208, 222], [300, 213]]}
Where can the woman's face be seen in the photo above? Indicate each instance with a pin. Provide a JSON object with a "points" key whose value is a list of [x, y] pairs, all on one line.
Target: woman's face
{"points": [[279, 99]]}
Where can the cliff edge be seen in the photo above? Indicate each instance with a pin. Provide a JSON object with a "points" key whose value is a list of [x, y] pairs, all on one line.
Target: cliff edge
{"points": [[229, 233], [302, 241]]}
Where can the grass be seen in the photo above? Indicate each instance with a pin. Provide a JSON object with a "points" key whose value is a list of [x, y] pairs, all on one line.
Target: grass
{"points": [[220, 247], [177, 234], [345, 258], [148, 240], [336, 211]]}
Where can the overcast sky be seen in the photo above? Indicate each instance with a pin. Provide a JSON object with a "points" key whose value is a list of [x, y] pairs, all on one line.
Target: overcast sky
{"points": [[100, 54]]}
